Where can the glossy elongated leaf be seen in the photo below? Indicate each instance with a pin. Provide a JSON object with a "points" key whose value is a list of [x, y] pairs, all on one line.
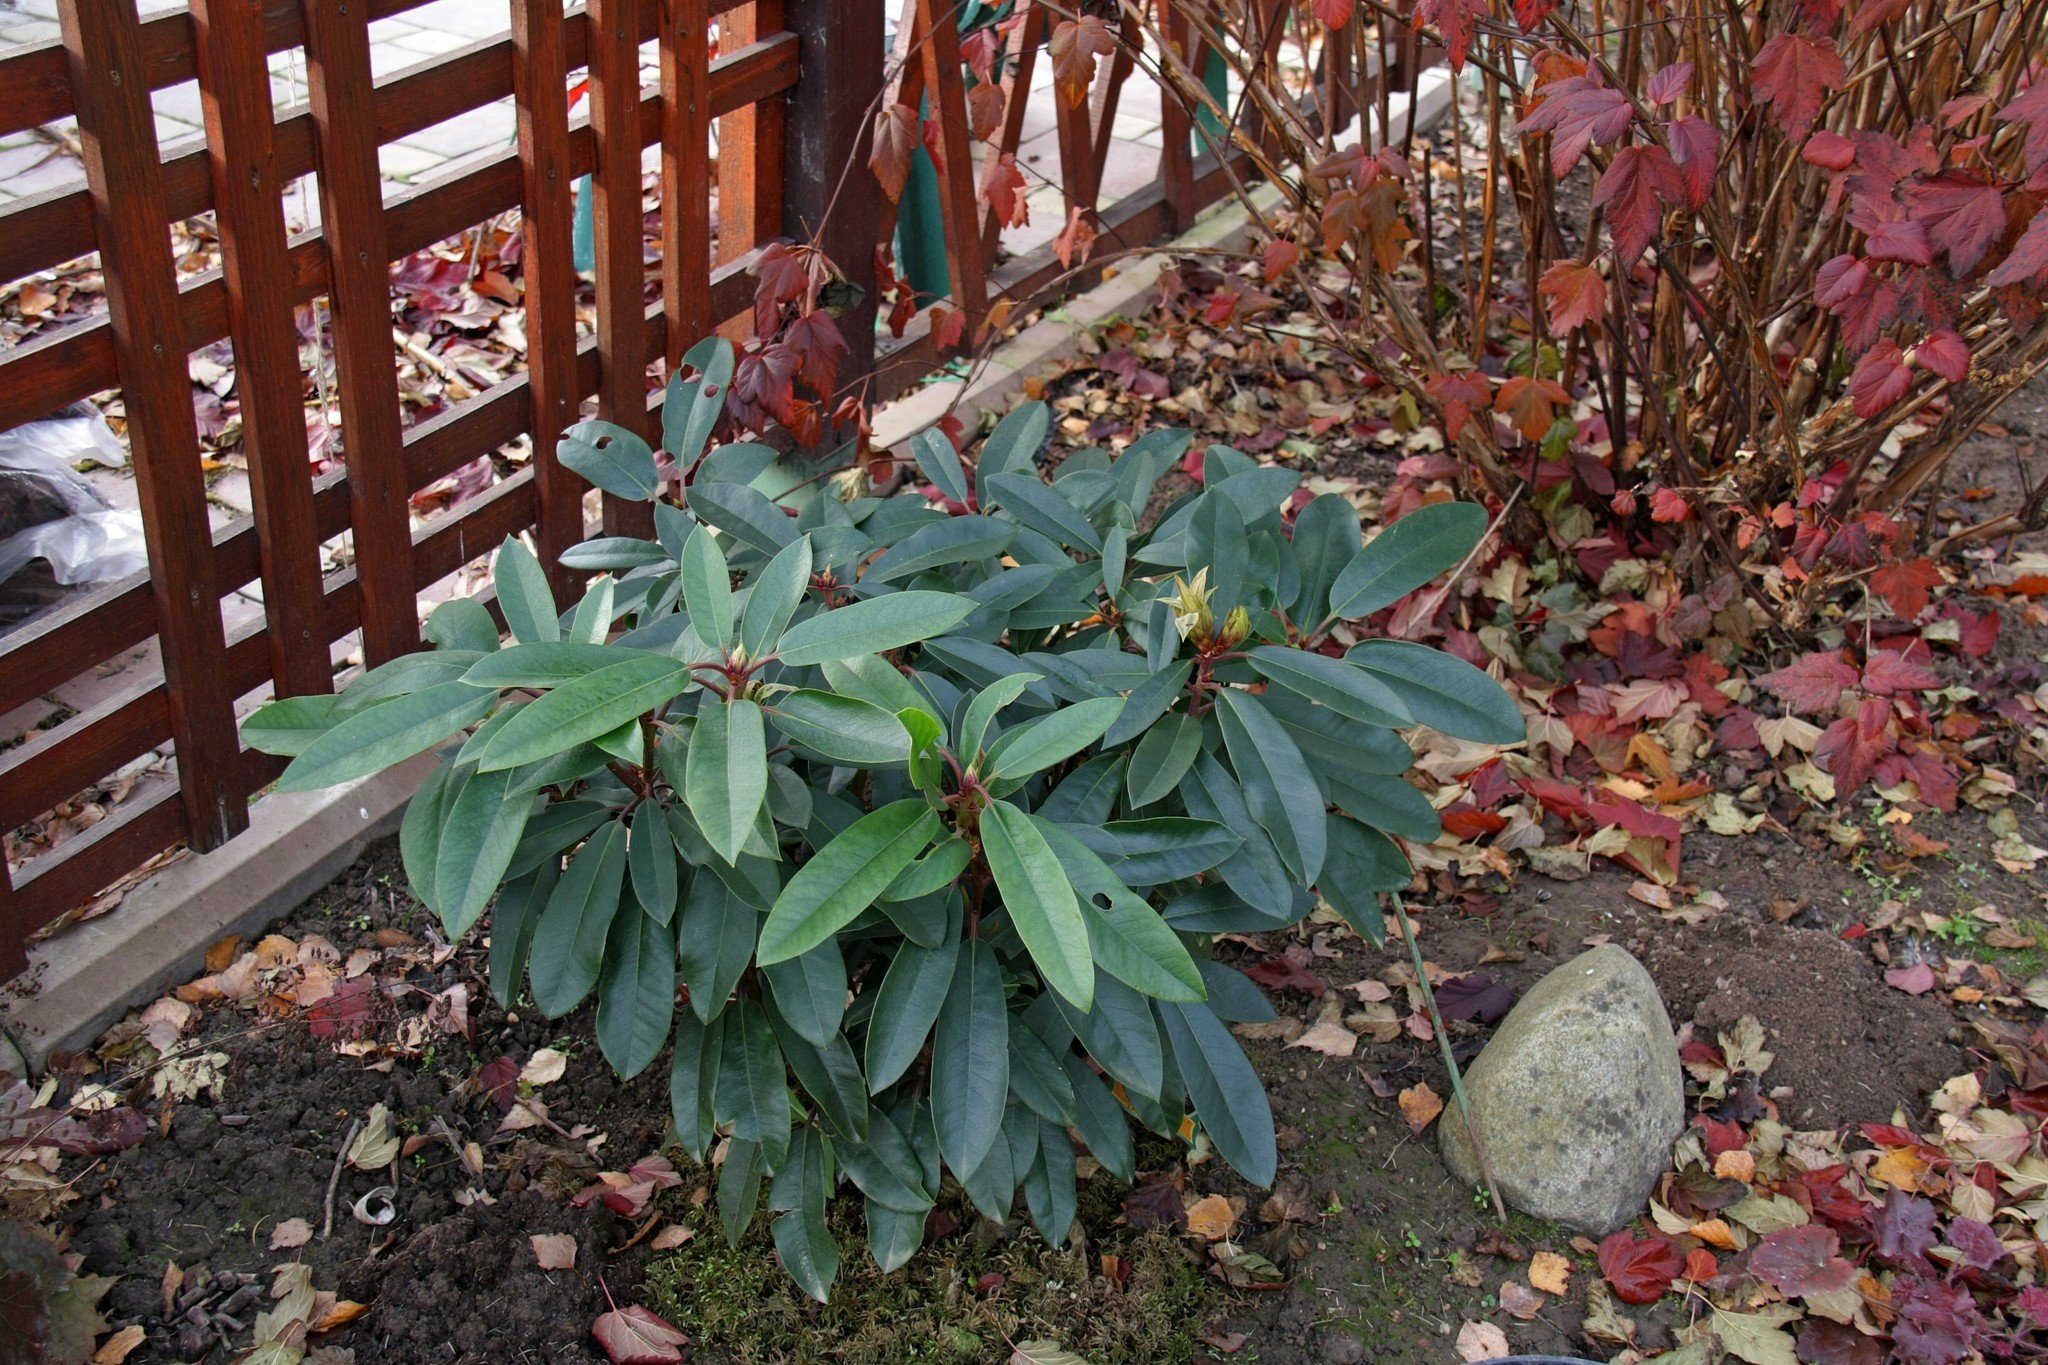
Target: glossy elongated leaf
{"points": [[777, 592], [1163, 758], [691, 407], [934, 453], [725, 778], [1163, 848], [592, 620], [1126, 936], [479, 834], [844, 878], [1120, 1033], [1216, 541], [1052, 738], [1148, 701], [553, 829], [830, 1075], [524, 595], [1224, 1090], [419, 833], [374, 739], [512, 925], [1405, 556], [707, 591], [801, 1238], [569, 939], [1041, 507], [614, 553], [693, 1081], [982, 711], [971, 1060], [810, 992], [1254, 872], [289, 724], [1344, 688], [1012, 446], [885, 1167], [1444, 692], [1040, 901], [1100, 1119], [651, 863], [753, 1093], [1037, 1080], [636, 991], [553, 664], [592, 705], [932, 873], [744, 513], [872, 626], [906, 1005], [1235, 997], [1326, 539], [992, 1185], [1050, 1189], [956, 540], [1389, 803], [739, 1187], [1270, 768], [403, 676], [1362, 863], [1334, 745], [843, 729], [716, 941], [893, 1238], [463, 623], [612, 458]]}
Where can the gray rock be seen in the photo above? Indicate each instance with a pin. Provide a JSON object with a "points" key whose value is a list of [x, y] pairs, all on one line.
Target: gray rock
{"points": [[1577, 1097]]}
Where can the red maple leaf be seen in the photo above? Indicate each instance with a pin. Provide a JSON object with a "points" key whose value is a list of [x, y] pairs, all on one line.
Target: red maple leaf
{"points": [[1279, 256], [948, 326], [1530, 404], [1638, 182], [1830, 151], [1077, 239], [2029, 256], [895, 139], [1839, 282], [1802, 1260], [1793, 74], [782, 275], [1905, 584], [763, 385], [1814, 685], [1876, 13], [1076, 43], [1331, 14], [1579, 112], [1669, 505], [2031, 109], [1459, 393], [1888, 673], [1895, 239], [985, 110], [1850, 748], [1530, 14], [1577, 294], [1002, 184], [1944, 353], [1696, 150], [1283, 973], [1640, 1269], [1668, 83], [1964, 216], [816, 340], [1880, 379], [1457, 21]]}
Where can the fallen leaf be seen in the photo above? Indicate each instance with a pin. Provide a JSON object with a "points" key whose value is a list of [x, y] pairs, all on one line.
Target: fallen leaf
{"points": [[1479, 1341], [1550, 1272], [545, 1066], [554, 1250], [1519, 1302], [374, 1147], [1212, 1218], [115, 1348], [634, 1336], [1420, 1106], [671, 1237], [292, 1232], [1917, 979], [1043, 1353], [1329, 1036]]}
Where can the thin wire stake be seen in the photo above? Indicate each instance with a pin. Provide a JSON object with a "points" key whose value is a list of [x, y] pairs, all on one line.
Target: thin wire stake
{"points": [[1443, 1038]]}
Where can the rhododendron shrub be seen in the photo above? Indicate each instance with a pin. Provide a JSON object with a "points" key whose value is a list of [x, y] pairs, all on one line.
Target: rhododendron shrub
{"points": [[1734, 281]]}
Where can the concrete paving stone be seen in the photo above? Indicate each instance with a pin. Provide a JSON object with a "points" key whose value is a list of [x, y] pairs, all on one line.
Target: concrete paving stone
{"points": [[22, 157], [172, 131], [24, 718], [36, 9], [431, 42], [116, 677], [490, 128], [476, 18], [231, 487], [180, 102], [384, 30], [22, 32], [58, 172]]}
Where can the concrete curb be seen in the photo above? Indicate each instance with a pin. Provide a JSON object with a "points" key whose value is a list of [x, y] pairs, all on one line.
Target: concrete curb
{"points": [[86, 978]]}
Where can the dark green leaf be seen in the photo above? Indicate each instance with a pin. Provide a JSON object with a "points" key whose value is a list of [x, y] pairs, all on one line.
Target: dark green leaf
{"points": [[1405, 556], [725, 779], [651, 863], [1254, 872], [801, 1238], [1036, 1078], [569, 939], [1050, 1190], [636, 992], [956, 540], [289, 724], [1443, 691], [872, 626], [1039, 899], [1119, 1033], [512, 923], [593, 705], [844, 878], [1163, 758], [613, 552], [906, 1005], [971, 1060], [776, 593], [934, 453], [844, 730], [372, 740], [1225, 1091], [553, 664], [1013, 445], [810, 991], [1031, 501], [746, 514], [884, 1167], [1270, 767], [1053, 738], [1126, 936], [693, 1081], [691, 408], [1391, 804], [1343, 688], [612, 458], [479, 833], [716, 938], [739, 1188], [753, 1092], [524, 595], [1362, 863], [1100, 1119], [707, 591], [1234, 996], [829, 1075], [1326, 538]]}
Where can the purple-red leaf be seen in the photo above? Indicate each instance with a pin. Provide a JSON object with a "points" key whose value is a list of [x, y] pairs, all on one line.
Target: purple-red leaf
{"points": [[1880, 379], [1640, 1269], [1802, 1260], [1794, 73], [634, 1336]]}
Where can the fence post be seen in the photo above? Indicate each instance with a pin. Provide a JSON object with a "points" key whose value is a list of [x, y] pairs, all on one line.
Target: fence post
{"points": [[830, 119], [234, 86], [110, 90], [685, 174]]}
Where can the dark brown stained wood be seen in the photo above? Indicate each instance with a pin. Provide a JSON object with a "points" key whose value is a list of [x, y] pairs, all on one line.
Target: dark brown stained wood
{"points": [[828, 193], [81, 868], [359, 286], [621, 269], [1176, 129], [15, 927], [685, 174], [540, 82], [749, 155], [1025, 41], [49, 371], [118, 133], [235, 89], [939, 51]]}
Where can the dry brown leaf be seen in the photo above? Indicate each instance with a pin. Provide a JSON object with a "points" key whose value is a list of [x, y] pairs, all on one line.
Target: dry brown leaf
{"points": [[1715, 1232], [222, 952], [544, 1067], [1519, 1302], [344, 1312], [554, 1250], [671, 1237], [1420, 1106], [115, 1348], [1328, 1035], [1550, 1272], [292, 1232], [1736, 1164], [1479, 1341], [1212, 1218]]}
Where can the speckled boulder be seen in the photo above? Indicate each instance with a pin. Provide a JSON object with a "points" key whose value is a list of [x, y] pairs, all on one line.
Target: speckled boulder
{"points": [[1577, 1097]]}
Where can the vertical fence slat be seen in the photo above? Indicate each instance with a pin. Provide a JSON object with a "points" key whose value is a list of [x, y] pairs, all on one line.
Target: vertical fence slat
{"points": [[548, 263], [14, 928], [829, 122], [1176, 129], [359, 283], [685, 173], [749, 151], [1021, 55], [234, 83], [940, 50], [117, 129], [621, 271]]}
